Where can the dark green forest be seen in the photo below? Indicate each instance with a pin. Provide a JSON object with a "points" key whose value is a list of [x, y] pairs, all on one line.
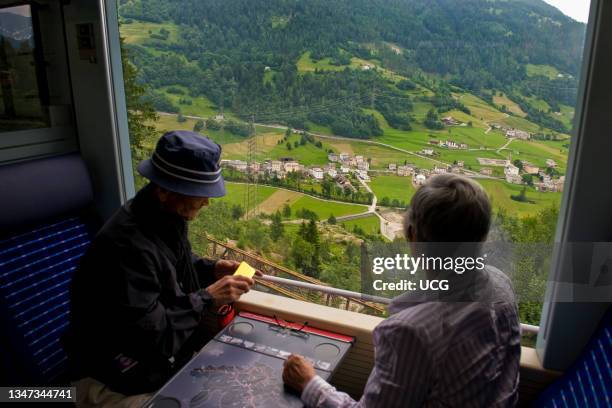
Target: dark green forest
{"points": [[476, 45]]}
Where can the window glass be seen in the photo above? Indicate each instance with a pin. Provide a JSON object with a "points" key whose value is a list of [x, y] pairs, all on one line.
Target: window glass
{"points": [[332, 114], [32, 56]]}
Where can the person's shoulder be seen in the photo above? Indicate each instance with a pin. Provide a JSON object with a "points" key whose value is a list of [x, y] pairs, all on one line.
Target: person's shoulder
{"points": [[415, 320], [121, 233], [500, 284]]}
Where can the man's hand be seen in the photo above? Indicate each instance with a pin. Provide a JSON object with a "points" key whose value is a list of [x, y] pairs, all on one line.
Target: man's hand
{"points": [[225, 267], [229, 288], [298, 372]]}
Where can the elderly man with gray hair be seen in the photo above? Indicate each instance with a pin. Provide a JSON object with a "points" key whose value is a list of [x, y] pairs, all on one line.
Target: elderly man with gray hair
{"points": [[458, 349]]}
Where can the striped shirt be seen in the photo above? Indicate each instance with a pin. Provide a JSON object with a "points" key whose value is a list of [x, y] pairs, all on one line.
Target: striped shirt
{"points": [[441, 353]]}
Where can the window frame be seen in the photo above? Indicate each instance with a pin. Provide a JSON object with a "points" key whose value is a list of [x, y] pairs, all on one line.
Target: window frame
{"points": [[584, 217]]}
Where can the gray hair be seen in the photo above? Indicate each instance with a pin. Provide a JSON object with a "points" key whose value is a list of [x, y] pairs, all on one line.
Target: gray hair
{"points": [[449, 208]]}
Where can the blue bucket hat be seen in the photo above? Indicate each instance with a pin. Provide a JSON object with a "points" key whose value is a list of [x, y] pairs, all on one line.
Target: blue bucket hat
{"points": [[186, 163]]}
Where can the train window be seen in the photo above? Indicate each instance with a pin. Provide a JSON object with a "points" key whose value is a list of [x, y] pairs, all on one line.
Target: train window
{"points": [[36, 110], [323, 108], [24, 97]]}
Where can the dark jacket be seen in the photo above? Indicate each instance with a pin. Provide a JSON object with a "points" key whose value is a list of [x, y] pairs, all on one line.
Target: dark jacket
{"points": [[134, 300]]}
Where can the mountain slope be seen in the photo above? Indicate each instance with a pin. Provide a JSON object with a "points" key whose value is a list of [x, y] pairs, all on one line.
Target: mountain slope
{"points": [[227, 47]]}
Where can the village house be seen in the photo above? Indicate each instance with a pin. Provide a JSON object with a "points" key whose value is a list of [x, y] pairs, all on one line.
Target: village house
{"points": [[345, 169], [511, 170], [440, 170], [332, 172], [450, 121], [291, 166], [254, 167], [405, 171], [317, 173], [434, 142], [333, 157], [463, 146], [420, 179], [239, 165], [392, 166], [363, 174], [344, 183], [359, 159], [519, 134], [551, 163], [456, 170], [451, 144], [276, 165], [530, 168], [344, 156], [487, 171], [364, 165], [460, 163], [427, 152]]}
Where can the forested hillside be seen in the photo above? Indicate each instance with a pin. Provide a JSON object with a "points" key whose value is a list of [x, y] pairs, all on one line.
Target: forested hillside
{"points": [[244, 55]]}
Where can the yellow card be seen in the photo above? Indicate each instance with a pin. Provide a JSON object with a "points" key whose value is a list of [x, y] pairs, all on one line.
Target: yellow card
{"points": [[244, 269]]}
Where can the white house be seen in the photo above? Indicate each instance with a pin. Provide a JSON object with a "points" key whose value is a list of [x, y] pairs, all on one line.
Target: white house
{"points": [[551, 163], [511, 170], [344, 169], [332, 173], [420, 179], [392, 166], [292, 166], [451, 144], [364, 165], [427, 152], [317, 173], [362, 174], [276, 165], [332, 157], [405, 171], [344, 156]]}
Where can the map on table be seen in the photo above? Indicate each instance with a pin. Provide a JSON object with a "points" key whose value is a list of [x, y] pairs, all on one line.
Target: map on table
{"points": [[243, 364]]}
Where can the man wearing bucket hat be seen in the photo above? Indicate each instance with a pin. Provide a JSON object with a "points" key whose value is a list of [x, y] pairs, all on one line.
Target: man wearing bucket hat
{"points": [[139, 293]]}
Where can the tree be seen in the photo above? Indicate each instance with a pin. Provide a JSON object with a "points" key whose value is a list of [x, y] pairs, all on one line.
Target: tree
{"points": [[289, 146], [331, 220], [277, 229], [286, 211], [518, 163], [287, 133], [237, 211], [140, 112], [198, 126], [180, 118], [527, 179]]}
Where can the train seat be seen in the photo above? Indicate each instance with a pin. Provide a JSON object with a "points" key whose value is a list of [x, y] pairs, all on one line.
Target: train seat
{"points": [[45, 228], [588, 382]]}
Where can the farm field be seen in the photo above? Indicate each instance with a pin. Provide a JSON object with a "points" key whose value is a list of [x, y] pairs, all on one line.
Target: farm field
{"points": [[277, 201], [236, 192], [510, 105], [137, 32], [324, 209], [393, 187], [500, 192], [370, 225], [170, 122]]}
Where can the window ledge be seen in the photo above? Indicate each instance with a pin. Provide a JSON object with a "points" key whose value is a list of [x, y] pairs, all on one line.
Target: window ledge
{"points": [[354, 371]]}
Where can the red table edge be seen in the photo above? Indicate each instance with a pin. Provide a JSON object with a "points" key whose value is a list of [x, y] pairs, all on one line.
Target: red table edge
{"points": [[307, 329]]}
